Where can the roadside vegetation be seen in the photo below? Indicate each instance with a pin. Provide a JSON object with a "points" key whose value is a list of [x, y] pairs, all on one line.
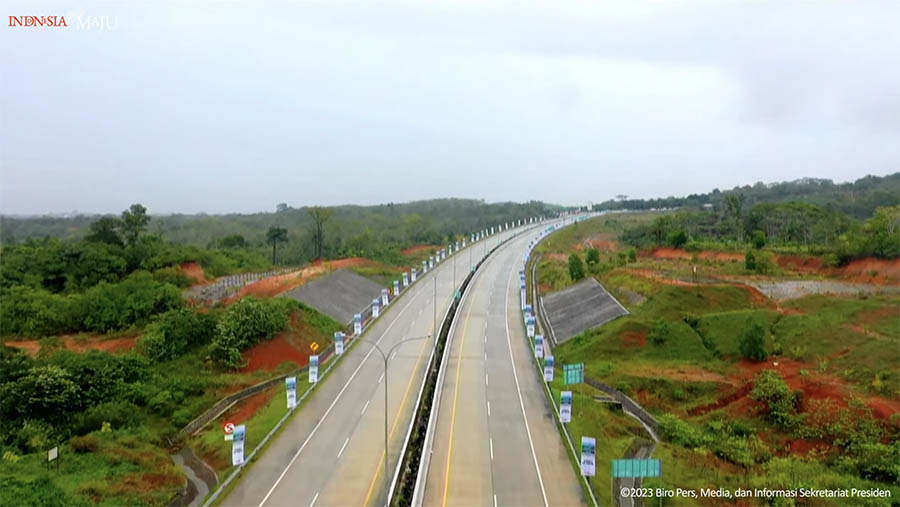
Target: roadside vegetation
{"points": [[751, 391]]}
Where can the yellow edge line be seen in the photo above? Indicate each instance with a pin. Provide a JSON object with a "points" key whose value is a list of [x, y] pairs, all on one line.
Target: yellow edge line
{"points": [[455, 398], [394, 426]]}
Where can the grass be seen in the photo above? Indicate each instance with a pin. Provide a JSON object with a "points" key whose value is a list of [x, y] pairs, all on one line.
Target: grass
{"points": [[382, 274]]}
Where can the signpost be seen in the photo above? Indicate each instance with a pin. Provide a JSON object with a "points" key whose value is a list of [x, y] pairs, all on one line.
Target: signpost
{"points": [[291, 385], [53, 455], [548, 368], [313, 369], [565, 406], [237, 445], [588, 456]]}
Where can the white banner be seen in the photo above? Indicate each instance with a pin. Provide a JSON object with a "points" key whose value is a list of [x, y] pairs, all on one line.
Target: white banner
{"points": [[396, 288], [413, 274], [357, 324], [376, 308], [237, 445], [565, 407], [339, 343], [291, 385], [548, 367], [588, 456], [313, 369], [384, 297], [405, 279], [539, 346]]}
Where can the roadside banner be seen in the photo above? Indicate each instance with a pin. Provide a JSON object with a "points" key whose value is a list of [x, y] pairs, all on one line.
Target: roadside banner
{"points": [[384, 297], [339, 343], [313, 369], [523, 298], [237, 445], [464, 243], [529, 324], [539, 346], [588, 456], [413, 274], [376, 308], [565, 406], [457, 245], [528, 310], [291, 384], [548, 368], [424, 266], [357, 324], [405, 279], [573, 373], [431, 262], [396, 288]]}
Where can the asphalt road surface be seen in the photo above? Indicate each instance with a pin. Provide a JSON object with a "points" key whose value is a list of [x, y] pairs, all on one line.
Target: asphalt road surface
{"points": [[332, 451], [496, 441]]}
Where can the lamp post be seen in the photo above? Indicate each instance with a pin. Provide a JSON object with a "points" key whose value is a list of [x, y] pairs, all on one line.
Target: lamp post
{"points": [[386, 358]]}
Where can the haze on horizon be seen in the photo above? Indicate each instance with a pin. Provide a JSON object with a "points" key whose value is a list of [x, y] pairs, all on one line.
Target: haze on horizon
{"points": [[236, 106]]}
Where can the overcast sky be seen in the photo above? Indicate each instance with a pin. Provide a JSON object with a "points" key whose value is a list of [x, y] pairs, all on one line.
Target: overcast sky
{"points": [[237, 106]]}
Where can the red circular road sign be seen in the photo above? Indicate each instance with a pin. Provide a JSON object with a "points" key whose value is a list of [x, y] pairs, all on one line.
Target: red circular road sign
{"points": [[228, 427]]}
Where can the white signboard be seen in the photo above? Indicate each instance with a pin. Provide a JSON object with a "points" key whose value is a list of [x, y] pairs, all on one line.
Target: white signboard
{"points": [[291, 384], [548, 369], [424, 266], [357, 324], [539, 346], [52, 454], [237, 445], [313, 369], [396, 288], [376, 308], [405, 279], [529, 325], [339, 343], [565, 406], [523, 299], [588, 456], [384, 297], [431, 262], [413, 274]]}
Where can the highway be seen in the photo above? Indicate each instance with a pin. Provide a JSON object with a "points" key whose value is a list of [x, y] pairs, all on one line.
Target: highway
{"points": [[332, 451], [495, 441]]}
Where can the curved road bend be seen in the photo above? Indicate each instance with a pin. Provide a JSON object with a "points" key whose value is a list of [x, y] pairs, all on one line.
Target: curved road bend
{"points": [[496, 442], [332, 451]]}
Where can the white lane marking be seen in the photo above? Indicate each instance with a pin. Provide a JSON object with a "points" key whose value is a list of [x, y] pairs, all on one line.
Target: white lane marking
{"points": [[489, 409], [485, 355], [364, 408], [381, 377], [343, 447], [519, 390], [314, 500], [495, 500], [486, 379], [491, 441], [330, 407]]}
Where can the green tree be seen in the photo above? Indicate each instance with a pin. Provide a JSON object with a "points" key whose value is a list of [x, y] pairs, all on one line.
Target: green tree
{"points": [[274, 236], [752, 342], [320, 216], [233, 241], [758, 239], [750, 261], [592, 258], [735, 206], [106, 230], [576, 267], [632, 255], [677, 239], [46, 392], [134, 222]]}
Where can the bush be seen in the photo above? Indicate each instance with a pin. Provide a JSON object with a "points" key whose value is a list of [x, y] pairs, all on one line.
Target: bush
{"points": [[770, 388], [38, 492], [84, 444], [118, 413], [172, 275], [677, 239], [247, 322], [752, 342], [758, 239], [175, 332], [33, 312], [592, 257], [113, 307], [576, 267], [162, 404], [660, 333], [632, 255], [683, 433]]}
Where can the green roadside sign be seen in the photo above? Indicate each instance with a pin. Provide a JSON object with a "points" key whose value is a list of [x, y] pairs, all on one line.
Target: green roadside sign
{"points": [[636, 468], [573, 373]]}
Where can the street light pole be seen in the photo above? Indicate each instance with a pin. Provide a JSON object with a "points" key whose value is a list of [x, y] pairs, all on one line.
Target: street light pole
{"points": [[386, 358]]}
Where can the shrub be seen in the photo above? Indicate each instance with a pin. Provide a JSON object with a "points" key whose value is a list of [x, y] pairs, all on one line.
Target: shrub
{"points": [[576, 267], [592, 256], [660, 333], [33, 312], [770, 388], [247, 322], [162, 404], [750, 261], [111, 307], [632, 255], [752, 342], [85, 443], [758, 239], [118, 413], [175, 332], [172, 275], [682, 432], [677, 239]]}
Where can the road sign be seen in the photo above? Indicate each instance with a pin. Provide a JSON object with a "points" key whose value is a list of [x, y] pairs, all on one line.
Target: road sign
{"points": [[228, 427], [573, 373], [636, 468], [291, 386], [588, 456], [52, 454], [376, 308], [357, 324], [539, 346], [548, 368], [565, 406], [237, 445], [339, 343]]}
